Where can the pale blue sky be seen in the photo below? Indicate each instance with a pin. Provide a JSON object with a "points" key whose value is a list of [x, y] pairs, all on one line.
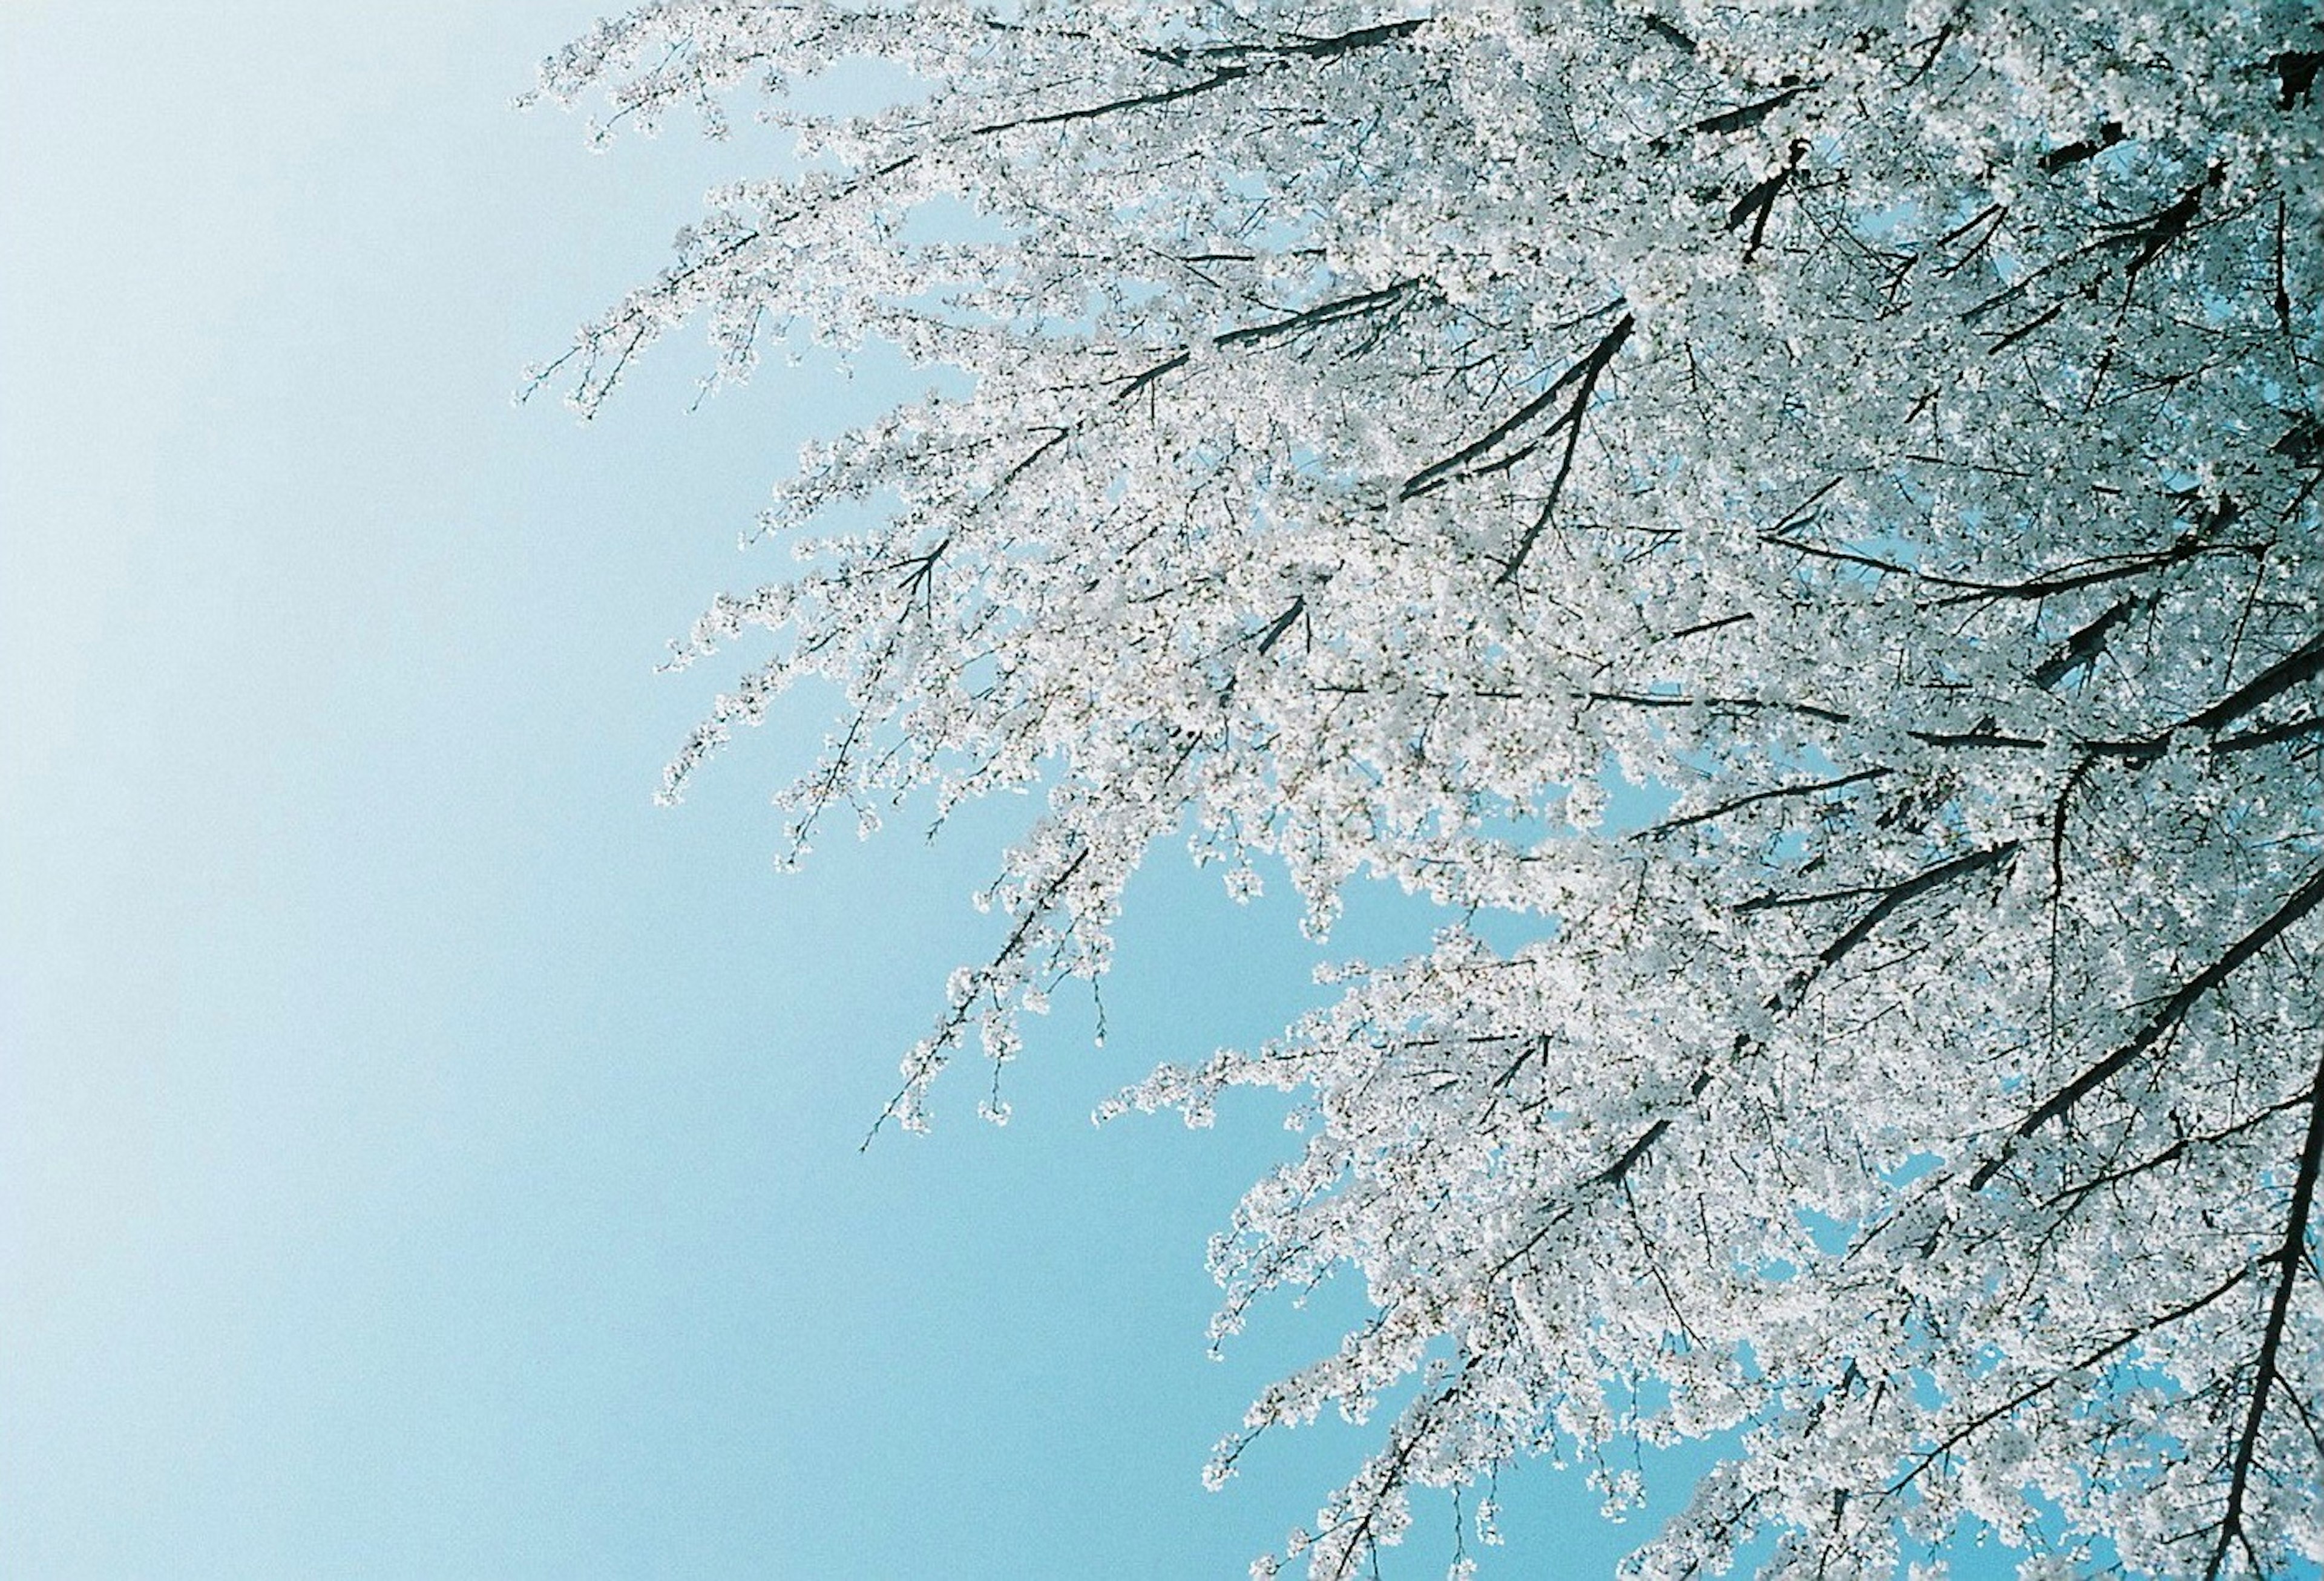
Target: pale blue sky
{"points": [[419, 1156]]}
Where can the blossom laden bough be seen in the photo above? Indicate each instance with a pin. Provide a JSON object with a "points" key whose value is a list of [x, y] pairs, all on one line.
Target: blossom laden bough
{"points": [[1889, 428]]}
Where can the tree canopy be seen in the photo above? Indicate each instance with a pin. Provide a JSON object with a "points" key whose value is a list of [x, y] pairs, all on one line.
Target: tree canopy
{"points": [[1892, 429]]}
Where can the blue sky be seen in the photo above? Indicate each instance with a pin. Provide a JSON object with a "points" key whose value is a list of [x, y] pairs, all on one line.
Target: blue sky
{"points": [[420, 1156]]}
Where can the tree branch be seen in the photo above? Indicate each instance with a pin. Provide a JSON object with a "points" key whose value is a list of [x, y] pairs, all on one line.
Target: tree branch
{"points": [[2287, 1257], [2297, 904]]}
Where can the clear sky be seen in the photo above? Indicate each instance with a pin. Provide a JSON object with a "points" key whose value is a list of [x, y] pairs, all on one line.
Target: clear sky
{"points": [[419, 1155]]}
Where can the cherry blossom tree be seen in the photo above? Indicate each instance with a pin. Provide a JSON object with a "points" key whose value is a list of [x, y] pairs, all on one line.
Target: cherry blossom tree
{"points": [[1892, 429]]}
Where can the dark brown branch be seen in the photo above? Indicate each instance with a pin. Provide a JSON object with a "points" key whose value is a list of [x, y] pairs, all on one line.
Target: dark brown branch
{"points": [[1322, 49], [1617, 1172], [2084, 646], [1745, 117], [1740, 705], [1314, 317], [1990, 216], [2268, 736], [1840, 557], [1892, 898], [1986, 1418], [956, 1020], [1245, 60], [1586, 369], [1671, 35], [2075, 153], [1571, 420], [2304, 663], [1759, 202], [1672, 825], [2288, 1256], [1901, 894], [1282, 623], [2182, 1147], [2026, 328], [2187, 546], [1699, 627], [2295, 75], [2152, 233], [1362, 1543], [2297, 904]]}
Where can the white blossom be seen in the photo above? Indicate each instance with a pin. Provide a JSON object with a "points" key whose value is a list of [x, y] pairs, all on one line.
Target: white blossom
{"points": [[1892, 429]]}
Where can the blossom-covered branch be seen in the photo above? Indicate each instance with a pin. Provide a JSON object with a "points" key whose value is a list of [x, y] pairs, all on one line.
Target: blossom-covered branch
{"points": [[1890, 428]]}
